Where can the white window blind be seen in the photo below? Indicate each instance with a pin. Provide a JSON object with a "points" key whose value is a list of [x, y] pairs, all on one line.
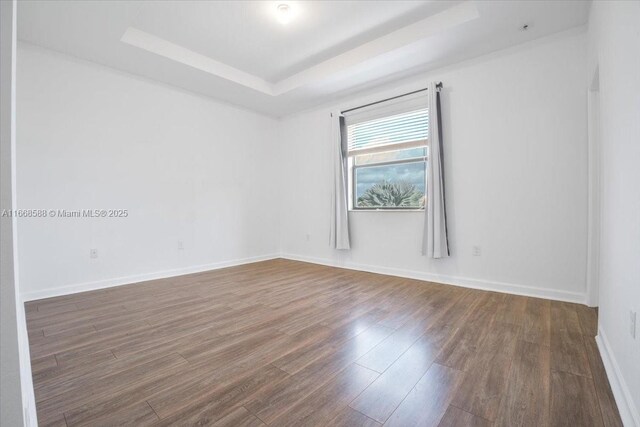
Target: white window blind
{"points": [[394, 126]]}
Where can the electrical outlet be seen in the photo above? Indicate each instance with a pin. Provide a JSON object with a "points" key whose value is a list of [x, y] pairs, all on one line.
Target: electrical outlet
{"points": [[476, 251], [632, 324], [93, 253], [180, 245], [308, 237]]}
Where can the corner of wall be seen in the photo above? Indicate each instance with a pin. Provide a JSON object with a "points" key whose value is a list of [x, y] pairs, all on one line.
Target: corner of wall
{"points": [[18, 399], [280, 153]]}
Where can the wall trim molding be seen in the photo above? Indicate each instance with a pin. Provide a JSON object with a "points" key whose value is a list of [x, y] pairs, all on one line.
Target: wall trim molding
{"points": [[128, 280], [621, 393], [465, 282]]}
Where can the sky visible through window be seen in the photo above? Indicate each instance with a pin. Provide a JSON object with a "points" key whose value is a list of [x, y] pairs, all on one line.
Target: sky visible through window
{"points": [[412, 173]]}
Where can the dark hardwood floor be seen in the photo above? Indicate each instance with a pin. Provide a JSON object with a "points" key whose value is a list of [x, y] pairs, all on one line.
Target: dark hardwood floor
{"points": [[286, 343]]}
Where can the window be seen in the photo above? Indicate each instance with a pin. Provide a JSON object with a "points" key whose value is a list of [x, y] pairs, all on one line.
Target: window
{"points": [[387, 154]]}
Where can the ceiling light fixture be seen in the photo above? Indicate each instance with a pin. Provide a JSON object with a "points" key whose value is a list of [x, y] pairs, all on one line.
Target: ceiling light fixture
{"points": [[284, 13]]}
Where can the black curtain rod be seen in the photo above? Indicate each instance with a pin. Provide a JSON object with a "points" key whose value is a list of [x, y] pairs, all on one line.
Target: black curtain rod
{"points": [[438, 86]]}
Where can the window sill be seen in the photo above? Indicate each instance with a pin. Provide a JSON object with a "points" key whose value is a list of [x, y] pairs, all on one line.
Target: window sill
{"points": [[386, 210]]}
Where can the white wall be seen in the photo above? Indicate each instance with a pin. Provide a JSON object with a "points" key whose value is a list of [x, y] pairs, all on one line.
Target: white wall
{"points": [[515, 137], [614, 49], [187, 169]]}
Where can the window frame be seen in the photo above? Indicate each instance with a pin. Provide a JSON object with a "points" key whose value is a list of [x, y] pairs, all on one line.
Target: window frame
{"points": [[352, 169]]}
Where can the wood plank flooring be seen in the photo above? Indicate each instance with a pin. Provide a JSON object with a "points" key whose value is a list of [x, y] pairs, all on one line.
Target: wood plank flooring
{"points": [[287, 343]]}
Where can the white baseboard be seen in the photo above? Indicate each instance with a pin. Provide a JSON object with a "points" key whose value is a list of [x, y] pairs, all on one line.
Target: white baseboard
{"points": [[465, 282], [412, 274], [127, 280], [621, 393]]}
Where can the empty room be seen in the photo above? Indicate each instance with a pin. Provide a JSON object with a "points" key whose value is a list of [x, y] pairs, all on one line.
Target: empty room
{"points": [[320, 213]]}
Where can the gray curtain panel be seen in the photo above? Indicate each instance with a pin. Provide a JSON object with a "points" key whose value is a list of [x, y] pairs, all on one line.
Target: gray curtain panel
{"points": [[339, 199], [435, 242]]}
